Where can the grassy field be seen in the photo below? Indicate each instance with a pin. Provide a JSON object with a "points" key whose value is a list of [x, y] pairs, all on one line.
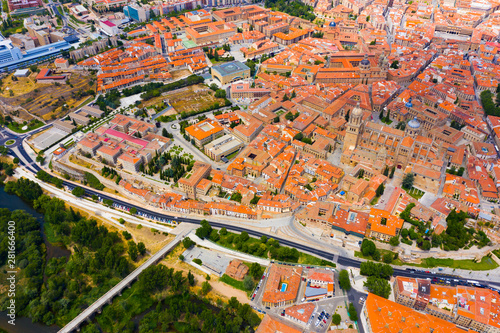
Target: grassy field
{"points": [[307, 259], [46, 100], [234, 283], [485, 264], [192, 98], [415, 193], [31, 126]]}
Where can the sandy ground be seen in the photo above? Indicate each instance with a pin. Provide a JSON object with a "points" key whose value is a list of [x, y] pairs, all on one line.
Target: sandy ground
{"points": [[154, 241], [180, 73]]}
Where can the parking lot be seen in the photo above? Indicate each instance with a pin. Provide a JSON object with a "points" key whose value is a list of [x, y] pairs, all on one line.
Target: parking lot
{"points": [[213, 261], [48, 138], [324, 306], [322, 315]]}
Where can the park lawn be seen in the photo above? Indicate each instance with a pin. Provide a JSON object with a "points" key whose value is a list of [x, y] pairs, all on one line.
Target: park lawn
{"points": [[234, 283], [31, 127], [415, 193], [307, 259], [485, 264]]}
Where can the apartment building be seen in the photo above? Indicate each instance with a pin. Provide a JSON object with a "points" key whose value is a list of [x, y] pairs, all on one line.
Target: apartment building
{"points": [[211, 33], [243, 90], [205, 131], [382, 225], [467, 307], [282, 286], [380, 313], [189, 182], [222, 147]]}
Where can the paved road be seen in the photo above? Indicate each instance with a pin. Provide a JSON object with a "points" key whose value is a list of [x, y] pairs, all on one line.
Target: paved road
{"points": [[27, 161]]}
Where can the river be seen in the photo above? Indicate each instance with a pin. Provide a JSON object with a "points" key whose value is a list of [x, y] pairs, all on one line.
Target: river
{"points": [[24, 325]]}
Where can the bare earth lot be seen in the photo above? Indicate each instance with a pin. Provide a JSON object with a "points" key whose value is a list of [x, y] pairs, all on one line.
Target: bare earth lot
{"points": [[46, 100]]}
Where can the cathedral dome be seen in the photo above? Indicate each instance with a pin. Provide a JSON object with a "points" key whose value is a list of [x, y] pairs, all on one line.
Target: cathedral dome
{"points": [[365, 61], [414, 123], [357, 112], [409, 104]]}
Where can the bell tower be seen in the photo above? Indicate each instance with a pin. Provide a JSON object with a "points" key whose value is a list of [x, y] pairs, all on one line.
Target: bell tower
{"points": [[354, 127]]}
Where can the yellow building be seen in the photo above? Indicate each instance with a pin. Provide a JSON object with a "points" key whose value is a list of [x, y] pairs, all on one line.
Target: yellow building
{"points": [[230, 72]]}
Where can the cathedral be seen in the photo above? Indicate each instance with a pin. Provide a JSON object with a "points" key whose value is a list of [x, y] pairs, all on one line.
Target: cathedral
{"points": [[378, 146]]}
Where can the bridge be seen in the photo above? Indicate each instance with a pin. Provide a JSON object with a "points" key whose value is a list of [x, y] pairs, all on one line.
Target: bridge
{"points": [[107, 298]]}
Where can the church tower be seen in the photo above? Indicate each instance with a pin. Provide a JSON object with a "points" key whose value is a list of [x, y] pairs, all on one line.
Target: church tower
{"points": [[354, 128], [364, 70]]}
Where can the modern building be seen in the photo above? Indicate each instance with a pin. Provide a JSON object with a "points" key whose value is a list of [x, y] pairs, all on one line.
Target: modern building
{"points": [[223, 147], [230, 72], [11, 57], [79, 119], [47, 76], [97, 113], [136, 12], [204, 132], [20, 4], [109, 27]]}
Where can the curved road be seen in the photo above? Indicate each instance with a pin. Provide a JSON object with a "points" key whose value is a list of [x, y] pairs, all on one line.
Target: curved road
{"points": [[341, 260]]}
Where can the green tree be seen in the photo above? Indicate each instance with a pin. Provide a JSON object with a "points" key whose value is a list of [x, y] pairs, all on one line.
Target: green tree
{"points": [[353, 314], [387, 258], [133, 210], [394, 241], [378, 286], [78, 192], [380, 190], [127, 235], [336, 319], [141, 248], [391, 175], [205, 287], [255, 270], [191, 279], [376, 255], [426, 245], [368, 247], [408, 181], [248, 283], [344, 281], [132, 250]]}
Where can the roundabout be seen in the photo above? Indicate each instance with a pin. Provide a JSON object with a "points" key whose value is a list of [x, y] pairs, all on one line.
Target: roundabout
{"points": [[10, 142]]}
